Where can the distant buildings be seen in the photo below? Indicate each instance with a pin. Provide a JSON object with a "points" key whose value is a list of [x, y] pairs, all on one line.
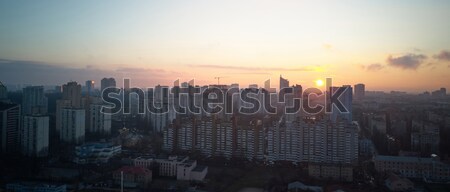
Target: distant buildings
{"points": [[96, 153], [90, 86], [360, 90], [107, 82], [133, 176], [72, 92], [35, 135], [3, 92], [9, 127], [439, 93], [346, 98], [284, 83], [34, 187]]}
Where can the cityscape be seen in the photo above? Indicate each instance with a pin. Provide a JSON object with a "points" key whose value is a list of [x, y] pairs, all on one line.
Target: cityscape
{"points": [[202, 96]]}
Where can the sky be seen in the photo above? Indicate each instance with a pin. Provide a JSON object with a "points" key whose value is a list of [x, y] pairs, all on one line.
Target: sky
{"points": [[387, 45]]}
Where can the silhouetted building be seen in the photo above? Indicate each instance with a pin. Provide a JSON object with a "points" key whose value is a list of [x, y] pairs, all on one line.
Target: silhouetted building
{"points": [[3, 92], [9, 127], [346, 98], [283, 83], [72, 92], [253, 86], [90, 86], [107, 82], [360, 90]]}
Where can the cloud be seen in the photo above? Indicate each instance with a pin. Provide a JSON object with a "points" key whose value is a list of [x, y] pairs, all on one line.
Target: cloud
{"points": [[308, 68], [408, 61], [374, 67], [444, 55], [41, 73]]}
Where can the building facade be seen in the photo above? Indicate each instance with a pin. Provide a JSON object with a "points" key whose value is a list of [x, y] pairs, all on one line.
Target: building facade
{"points": [[9, 127], [35, 135], [73, 126]]}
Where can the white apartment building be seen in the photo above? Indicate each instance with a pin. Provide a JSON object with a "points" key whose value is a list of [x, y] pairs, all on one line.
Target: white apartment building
{"points": [[73, 126], [99, 122], [174, 166], [414, 167], [35, 135]]}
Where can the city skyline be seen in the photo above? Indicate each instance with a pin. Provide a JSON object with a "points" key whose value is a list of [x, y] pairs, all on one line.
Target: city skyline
{"points": [[385, 45]]}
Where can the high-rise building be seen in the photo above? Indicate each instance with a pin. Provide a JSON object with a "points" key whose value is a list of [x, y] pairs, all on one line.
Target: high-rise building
{"points": [[360, 90], [314, 141], [346, 98], [107, 82], [71, 98], [213, 137], [9, 127], [284, 83], [35, 135], [34, 101], [90, 86], [99, 122], [3, 92], [72, 92], [73, 125]]}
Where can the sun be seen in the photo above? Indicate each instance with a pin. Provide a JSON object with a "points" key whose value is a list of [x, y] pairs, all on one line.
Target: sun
{"points": [[319, 83]]}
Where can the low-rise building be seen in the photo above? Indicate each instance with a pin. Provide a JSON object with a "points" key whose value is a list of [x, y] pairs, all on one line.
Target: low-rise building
{"points": [[96, 152], [190, 171], [414, 167], [132, 176], [174, 166]]}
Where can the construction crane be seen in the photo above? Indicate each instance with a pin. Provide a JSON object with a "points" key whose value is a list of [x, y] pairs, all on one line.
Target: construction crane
{"points": [[218, 79]]}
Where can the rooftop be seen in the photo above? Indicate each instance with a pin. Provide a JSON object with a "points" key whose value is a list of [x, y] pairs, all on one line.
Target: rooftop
{"points": [[199, 168], [403, 159], [133, 170]]}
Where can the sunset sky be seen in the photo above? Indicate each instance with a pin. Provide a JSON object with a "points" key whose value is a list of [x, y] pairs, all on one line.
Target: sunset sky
{"points": [[387, 45]]}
